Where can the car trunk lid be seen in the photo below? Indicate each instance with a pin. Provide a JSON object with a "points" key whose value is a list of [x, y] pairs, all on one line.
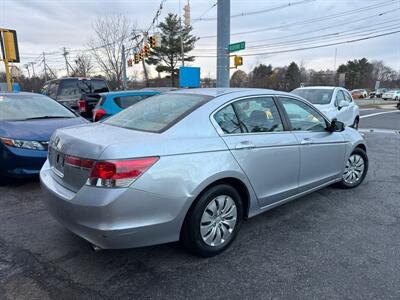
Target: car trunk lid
{"points": [[86, 142]]}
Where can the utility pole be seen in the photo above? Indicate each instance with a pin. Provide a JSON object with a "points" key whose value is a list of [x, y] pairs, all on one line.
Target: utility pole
{"points": [[65, 53], [334, 61], [33, 68], [124, 85], [223, 40], [27, 68], [44, 66]]}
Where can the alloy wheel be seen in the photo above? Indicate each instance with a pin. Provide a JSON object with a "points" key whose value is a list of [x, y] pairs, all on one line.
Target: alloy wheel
{"points": [[218, 220], [354, 169]]}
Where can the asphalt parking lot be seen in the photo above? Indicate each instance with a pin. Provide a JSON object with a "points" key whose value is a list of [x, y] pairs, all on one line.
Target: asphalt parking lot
{"points": [[330, 244]]}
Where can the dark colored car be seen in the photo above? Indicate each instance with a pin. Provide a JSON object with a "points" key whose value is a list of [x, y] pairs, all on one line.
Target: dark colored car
{"points": [[114, 102], [79, 94], [27, 121]]}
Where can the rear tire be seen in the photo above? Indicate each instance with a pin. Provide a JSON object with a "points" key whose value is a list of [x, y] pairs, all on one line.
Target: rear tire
{"points": [[355, 170], [213, 222]]}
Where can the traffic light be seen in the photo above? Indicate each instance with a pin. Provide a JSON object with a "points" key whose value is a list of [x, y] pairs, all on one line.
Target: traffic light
{"points": [[9, 45], [186, 15], [152, 41], [238, 61], [129, 62], [146, 50], [140, 55], [136, 58]]}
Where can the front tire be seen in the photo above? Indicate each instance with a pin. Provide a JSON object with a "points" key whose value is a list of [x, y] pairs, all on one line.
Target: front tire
{"points": [[355, 123], [355, 170], [213, 222]]}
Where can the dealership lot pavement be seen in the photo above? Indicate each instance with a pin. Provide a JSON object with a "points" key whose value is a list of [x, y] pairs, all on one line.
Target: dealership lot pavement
{"points": [[329, 244]]}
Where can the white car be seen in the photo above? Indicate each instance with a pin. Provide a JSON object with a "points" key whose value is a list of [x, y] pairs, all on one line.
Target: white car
{"points": [[334, 102], [391, 95]]}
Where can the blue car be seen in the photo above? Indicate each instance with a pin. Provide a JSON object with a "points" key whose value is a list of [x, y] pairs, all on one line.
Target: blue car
{"points": [[27, 121], [113, 102]]}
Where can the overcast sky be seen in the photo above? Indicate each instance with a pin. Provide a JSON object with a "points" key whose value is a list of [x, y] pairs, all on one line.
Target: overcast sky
{"points": [[49, 25]]}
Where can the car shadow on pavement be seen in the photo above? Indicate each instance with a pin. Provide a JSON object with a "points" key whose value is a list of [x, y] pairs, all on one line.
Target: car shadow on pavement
{"points": [[16, 182]]}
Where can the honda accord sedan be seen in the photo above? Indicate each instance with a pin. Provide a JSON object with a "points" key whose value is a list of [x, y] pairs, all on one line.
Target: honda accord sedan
{"points": [[191, 165]]}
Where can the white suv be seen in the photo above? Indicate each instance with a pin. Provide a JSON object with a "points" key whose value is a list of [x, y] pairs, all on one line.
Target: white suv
{"points": [[334, 102]]}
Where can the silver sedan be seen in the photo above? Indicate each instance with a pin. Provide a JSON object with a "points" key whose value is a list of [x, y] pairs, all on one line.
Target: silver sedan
{"points": [[190, 165]]}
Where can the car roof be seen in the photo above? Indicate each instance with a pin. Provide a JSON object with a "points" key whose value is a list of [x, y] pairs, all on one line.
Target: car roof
{"points": [[114, 93], [216, 92], [20, 94], [319, 87]]}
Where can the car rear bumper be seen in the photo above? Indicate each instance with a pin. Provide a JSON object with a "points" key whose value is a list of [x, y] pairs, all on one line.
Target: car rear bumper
{"points": [[19, 163], [114, 218]]}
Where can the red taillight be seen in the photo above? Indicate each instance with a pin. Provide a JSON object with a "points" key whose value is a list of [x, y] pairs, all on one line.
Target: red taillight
{"points": [[82, 105], [98, 114], [119, 173], [78, 162]]}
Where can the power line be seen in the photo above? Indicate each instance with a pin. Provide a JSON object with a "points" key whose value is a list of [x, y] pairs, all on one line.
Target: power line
{"points": [[204, 13], [328, 36], [335, 35], [250, 13], [327, 27], [314, 20], [313, 47]]}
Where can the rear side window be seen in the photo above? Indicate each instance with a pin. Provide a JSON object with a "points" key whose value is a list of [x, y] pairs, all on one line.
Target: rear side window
{"points": [[227, 120], [126, 101], [158, 113], [258, 115]]}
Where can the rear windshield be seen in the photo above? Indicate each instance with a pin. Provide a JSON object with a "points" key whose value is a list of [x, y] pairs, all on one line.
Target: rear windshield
{"points": [[71, 88], [35, 106], [315, 96], [126, 101], [157, 113]]}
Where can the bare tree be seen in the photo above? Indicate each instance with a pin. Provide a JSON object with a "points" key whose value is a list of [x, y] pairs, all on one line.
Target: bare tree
{"points": [[111, 32], [83, 66]]}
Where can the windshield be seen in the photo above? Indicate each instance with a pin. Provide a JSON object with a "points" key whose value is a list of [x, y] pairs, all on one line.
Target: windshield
{"points": [[157, 113], [28, 106], [315, 96], [71, 88]]}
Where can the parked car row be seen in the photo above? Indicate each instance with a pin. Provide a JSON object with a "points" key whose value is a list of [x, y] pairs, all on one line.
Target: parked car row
{"points": [[384, 93], [184, 165]]}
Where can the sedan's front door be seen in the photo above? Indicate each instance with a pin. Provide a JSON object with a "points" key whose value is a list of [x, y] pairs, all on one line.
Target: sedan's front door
{"points": [[268, 155], [322, 153]]}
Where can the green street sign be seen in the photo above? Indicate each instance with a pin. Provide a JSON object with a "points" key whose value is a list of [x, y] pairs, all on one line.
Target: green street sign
{"points": [[237, 46]]}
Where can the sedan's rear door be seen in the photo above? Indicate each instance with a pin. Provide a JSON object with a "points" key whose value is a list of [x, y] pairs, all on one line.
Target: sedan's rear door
{"points": [[254, 132]]}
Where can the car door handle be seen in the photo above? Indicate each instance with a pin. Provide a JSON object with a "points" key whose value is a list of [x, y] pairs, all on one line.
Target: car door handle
{"points": [[245, 145], [306, 141]]}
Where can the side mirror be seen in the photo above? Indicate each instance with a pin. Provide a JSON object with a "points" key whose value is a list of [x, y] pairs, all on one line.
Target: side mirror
{"points": [[336, 126], [343, 103]]}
